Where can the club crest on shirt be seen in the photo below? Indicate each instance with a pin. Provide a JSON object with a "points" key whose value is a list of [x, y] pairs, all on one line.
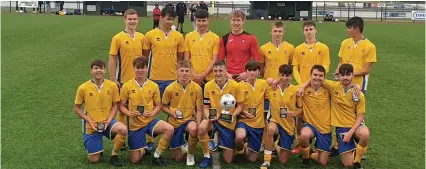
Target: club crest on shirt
{"points": [[158, 39], [108, 92], [210, 42], [213, 93], [127, 42], [285, 52], [244, 41], [91, 94], [192, 94], [133, 91], [246, 92], [349, 47], [363, 50], [193, 40], [319, 53], [176, 94], [269, 52], [303, 53], [230, 40]]}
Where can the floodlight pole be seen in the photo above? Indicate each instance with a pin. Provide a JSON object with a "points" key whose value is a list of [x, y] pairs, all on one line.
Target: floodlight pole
{"points": [[381, 14], [316, 11], [10, 6]]}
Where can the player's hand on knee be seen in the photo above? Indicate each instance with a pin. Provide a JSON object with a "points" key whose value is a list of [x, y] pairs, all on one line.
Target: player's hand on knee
{"points": [[93, 124], [348, 136]]}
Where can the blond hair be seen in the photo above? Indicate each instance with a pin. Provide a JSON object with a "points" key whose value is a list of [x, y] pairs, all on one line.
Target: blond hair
{"points": [[130, 12], [238, 14]]}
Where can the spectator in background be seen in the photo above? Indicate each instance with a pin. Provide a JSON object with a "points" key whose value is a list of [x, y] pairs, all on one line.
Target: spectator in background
{"points": [[181, 12], [170, 5], [194, 7], [156, 16], [203, 6]]}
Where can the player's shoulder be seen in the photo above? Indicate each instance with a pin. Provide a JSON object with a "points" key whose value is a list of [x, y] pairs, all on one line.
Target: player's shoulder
{"points": [[85, 85], [213, 35], [110, 83], [128, 83], [233, 82], [288, 44], [189, 34], [210, 84], [369, 43], [151, 83], [322, 44], [153, 32], [176, 33], [300, 46], [345, 41], [265, 46], [139, 34], [197, 87], [119, 34]]}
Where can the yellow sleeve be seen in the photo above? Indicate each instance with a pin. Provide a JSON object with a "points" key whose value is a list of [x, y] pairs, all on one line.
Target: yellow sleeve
{"points": [[216, 46], [115, 93], [206, 92], [199, 99], [156, 95], [240, 94], [326, 59], [296, 74], [290, 57], [181, 45], [268, 92], [124, 92], [79, 97], [147, 42], [115, 46], [360, 106], [167, 96], [299, 103], [262, 55], [342, 47], [186, 45], [329, 84], [296, 57], [371, 54]]}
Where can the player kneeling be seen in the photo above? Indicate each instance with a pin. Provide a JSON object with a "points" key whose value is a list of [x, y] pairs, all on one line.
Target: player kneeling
{"points": [[250, 103], [99, 119], [214, 90], [285, 105], [143, 98], [184, 97]]}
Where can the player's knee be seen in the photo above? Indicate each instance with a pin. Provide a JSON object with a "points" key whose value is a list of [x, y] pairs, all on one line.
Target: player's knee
{"points": [[252, 158], [304, 136], [347, 164], [122, 130], [202, 129], [178, 157], [94, 158], [271, 130], [193, 131], [169, 130], [135, 160], [322, 162], [283, 160], [239, 137]]}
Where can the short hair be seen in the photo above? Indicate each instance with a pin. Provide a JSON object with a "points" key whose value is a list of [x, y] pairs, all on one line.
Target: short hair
{"points": [[252, 65], [219, 63], [201, 14], [319, 68], [130, 12], [277, 24], [238, 14], [98, 63], [184, 64], [285, 69], [346, 69], [308, 23], [140, 62], [356, 22], [167, 11], [155, 4]]}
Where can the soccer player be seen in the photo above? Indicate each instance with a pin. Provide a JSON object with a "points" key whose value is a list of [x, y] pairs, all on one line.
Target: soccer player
{"points": [[201, 48], [193, 8], [181, 12], [100, 98], [316, 118], [184, 97], [238, 47], [285, 105], [347, 115], [309, 53], [213, 91], [125, 47], [166, 47], [156, 13], [358, 51], [250, 104], [143, 98]]}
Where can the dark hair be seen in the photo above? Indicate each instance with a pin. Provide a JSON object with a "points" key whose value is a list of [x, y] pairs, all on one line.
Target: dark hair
{"points": [[355, 22], [130, 12], [309, 23], [140, 62], [319, 68], [167, 11], [252, 65], [285, 69], [98, 63], [201, 14], [219, 63], [346, 69]]}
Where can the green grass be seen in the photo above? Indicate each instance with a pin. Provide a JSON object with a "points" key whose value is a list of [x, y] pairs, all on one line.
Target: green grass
{"points": [[45, 58]]}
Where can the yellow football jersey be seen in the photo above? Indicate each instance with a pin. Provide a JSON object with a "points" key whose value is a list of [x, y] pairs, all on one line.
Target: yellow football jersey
{"points": [[284, 99], [147, 95], [317, 108], [126, 49], [97, 102], [213, 94], [358, 54], [164, 49], [183, 99], [253, 98], [308, 55], [202, 49], [344, 109], [274, 57]]}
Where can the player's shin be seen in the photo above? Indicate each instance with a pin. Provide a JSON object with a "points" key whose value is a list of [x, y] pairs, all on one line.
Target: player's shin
{"points": [[204, 140], [192, 143], [118, 143], [305, 151], [359, 152]]}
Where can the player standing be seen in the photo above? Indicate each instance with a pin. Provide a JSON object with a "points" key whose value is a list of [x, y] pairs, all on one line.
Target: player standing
{"points": [[143, 98], [166, 47], [100, 97], [201, 48], [251, 123], [285, 105], [181, 12], [309, 53], [238, 47], [184, 97], [213, 91], [125, 47]]}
